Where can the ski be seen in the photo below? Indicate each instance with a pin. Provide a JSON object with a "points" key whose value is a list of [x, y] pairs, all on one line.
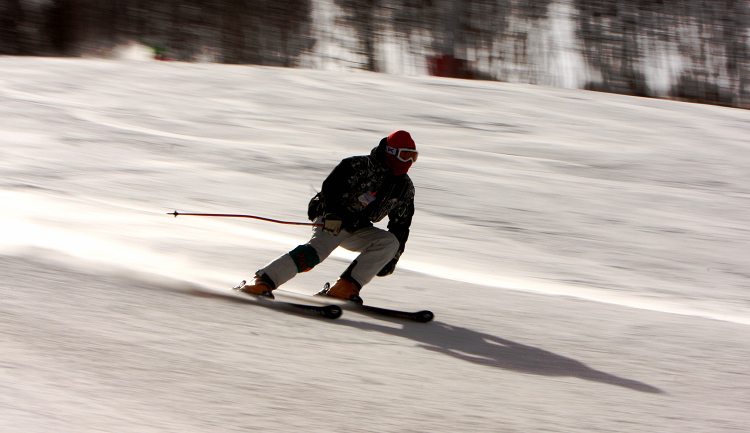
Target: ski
{"points": [[327, 311], [422, 316]]}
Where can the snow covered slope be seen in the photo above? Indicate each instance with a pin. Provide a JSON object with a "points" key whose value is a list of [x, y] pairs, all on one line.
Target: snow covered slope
{"points": [[585, 254]]}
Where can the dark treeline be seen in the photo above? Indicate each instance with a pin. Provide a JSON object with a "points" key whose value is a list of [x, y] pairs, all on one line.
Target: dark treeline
{"points": [[711, 37], [238, 31]]}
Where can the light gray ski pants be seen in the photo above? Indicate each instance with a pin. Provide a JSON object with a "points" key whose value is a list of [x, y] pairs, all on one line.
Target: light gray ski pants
{"points": [[376, 247]]}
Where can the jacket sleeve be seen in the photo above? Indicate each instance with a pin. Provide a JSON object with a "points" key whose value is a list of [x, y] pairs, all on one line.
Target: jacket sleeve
{"points": [[399, 221]]}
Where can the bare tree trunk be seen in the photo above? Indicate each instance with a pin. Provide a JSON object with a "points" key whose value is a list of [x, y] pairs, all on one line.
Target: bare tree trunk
{"points": [[11, 37]]}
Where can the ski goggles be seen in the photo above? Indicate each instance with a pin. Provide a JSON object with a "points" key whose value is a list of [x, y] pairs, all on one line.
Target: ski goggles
{"points": [[403, 155]]}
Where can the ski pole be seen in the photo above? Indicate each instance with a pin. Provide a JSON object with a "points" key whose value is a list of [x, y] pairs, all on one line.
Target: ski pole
{"points": [[175, 213]]}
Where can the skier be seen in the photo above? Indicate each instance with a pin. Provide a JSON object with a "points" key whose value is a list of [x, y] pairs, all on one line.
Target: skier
{"points": [[361, 190]]}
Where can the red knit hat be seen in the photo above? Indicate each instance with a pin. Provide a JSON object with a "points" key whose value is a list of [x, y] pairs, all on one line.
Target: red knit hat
{"points": [[400, 152]]}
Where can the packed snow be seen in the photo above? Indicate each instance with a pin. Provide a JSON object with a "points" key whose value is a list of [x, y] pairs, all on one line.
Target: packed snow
{"points": [[585, 254]]}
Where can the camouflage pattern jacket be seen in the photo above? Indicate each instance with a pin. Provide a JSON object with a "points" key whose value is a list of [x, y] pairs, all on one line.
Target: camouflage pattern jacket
{"points": [[362, 190]]}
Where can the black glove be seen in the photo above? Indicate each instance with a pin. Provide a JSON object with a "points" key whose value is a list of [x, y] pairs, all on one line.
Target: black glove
{"points": [[332, 224], [388, 268]]}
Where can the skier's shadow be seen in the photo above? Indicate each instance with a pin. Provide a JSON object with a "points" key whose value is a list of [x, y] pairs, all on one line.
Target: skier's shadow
{"points": [[489, 350], [467, 345]]}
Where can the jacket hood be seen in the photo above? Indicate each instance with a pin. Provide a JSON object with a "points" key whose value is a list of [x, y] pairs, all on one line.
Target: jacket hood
{"points": [[378, 152]]}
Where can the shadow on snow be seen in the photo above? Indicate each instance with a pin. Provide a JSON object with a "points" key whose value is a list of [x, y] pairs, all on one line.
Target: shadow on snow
{"points": [[475, 347], [492, 351]]}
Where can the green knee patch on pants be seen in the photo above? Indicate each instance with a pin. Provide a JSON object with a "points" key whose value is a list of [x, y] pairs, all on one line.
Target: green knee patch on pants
{"points": [[305, 257]]}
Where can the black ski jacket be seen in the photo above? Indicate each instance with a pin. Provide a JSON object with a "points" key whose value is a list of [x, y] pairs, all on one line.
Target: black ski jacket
{"points": [[362, 190]]}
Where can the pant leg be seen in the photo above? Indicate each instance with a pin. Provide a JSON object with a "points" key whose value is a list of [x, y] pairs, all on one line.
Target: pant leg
{"points": [[280, 270], [376, 246], [286, 267]]}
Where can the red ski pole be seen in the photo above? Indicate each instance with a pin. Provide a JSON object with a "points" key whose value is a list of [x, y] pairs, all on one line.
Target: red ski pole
{"points": [[175, 213]]}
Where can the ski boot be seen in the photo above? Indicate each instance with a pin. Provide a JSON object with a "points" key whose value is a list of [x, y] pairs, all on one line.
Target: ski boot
{"points": [[343, 289], [261, 286]]}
